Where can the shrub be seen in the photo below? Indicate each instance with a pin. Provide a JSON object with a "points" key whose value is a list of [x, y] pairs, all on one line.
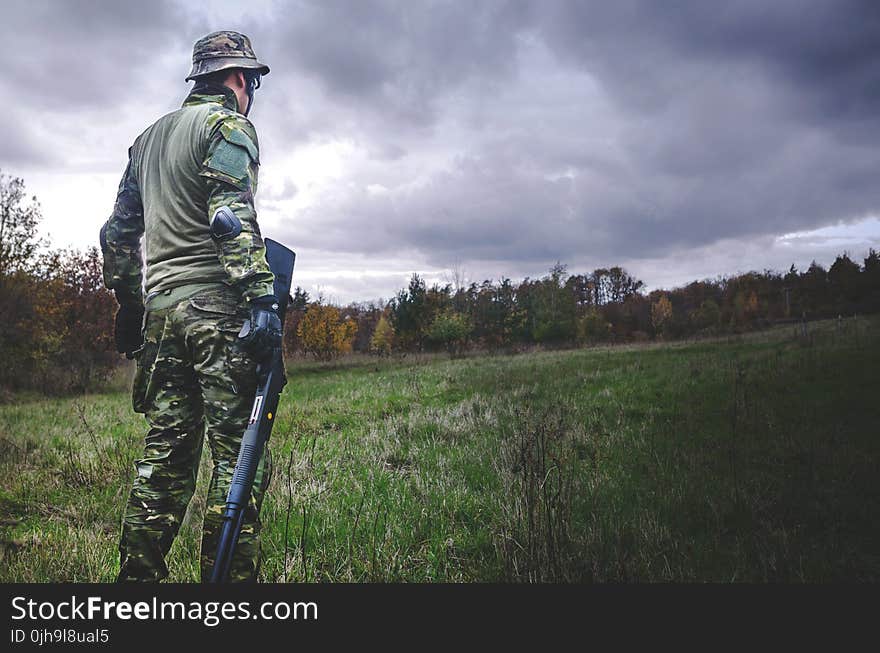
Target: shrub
{"points": [[451, 330], [324, 334], [383, 337]]}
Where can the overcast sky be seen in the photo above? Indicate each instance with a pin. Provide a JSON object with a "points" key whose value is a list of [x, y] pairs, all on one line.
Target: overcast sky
{"points": [[679, 139]]}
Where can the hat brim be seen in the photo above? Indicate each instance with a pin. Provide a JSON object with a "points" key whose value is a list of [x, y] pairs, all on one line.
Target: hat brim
{"points": [[208, 66]]}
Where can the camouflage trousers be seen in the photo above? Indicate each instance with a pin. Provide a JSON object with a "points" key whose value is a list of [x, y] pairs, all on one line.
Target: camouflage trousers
{"points": [[192, 380]]}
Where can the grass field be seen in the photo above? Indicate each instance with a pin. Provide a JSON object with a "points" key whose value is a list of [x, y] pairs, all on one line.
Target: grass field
{"points": [[754, 458]]}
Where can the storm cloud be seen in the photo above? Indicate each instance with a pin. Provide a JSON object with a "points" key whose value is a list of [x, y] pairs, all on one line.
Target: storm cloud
{"points": [[495, 136]]}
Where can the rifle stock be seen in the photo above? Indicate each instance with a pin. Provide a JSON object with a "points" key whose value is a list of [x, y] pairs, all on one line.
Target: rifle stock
{"points": [[271, 382]]}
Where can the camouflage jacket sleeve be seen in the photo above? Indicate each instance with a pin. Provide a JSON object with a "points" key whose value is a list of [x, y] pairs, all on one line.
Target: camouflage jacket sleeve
{"points": [[121, 242], [230, 169]]}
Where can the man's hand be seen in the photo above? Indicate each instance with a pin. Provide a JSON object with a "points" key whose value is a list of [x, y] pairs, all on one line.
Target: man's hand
{"points": [[127, 328], [262, 334]]}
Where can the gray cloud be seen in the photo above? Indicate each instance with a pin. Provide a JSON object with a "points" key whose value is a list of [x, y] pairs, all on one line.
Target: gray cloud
{"points": [[79, 69], [20, 146], [401, 57], [499, 134], [741, 122], [80, 55]]}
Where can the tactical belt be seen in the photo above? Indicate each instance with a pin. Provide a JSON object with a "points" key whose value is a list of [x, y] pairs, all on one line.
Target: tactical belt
{"points": [[160, 299]]}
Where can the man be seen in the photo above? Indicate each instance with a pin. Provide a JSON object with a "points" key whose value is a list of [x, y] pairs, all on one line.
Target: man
{"points": [[188, 190]]}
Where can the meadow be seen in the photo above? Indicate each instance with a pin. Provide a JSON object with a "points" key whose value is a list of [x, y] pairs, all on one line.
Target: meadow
{"points": [[748, 458]]}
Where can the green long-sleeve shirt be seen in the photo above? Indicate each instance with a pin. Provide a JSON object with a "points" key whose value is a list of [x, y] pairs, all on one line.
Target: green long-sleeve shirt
{"points": [[183, 168]]}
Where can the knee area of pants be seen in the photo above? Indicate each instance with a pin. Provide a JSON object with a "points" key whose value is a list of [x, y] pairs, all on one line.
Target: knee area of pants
{"points": [[169, 422]]}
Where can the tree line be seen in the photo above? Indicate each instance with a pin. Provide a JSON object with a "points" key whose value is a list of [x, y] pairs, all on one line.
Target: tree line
{"points": [[56, 330], [607, 305]]}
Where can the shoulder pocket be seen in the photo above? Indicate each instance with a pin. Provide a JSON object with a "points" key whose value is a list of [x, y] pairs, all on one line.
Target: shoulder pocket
{"points": [[237, 136], [228, 163], [232, 157]]}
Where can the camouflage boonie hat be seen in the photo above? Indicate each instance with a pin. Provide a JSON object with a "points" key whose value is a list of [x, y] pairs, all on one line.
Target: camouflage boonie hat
{"points": [[221, 50]]}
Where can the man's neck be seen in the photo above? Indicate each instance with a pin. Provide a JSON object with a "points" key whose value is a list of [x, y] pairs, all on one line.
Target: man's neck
{"points": [[218, 93]]}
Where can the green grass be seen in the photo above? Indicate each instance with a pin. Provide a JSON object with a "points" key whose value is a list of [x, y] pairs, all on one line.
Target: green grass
{"points": [[746, 459]]}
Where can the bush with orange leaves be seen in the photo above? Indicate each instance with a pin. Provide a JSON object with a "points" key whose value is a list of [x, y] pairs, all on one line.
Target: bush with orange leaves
{"points": [[661, 314], [323, 333]]}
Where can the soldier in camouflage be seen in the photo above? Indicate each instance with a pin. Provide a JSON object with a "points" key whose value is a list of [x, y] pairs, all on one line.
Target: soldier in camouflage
{"points": [[188, 193]]}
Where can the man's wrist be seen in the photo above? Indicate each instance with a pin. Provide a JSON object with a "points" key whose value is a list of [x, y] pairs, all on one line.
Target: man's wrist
{"points": [[266, 303]]}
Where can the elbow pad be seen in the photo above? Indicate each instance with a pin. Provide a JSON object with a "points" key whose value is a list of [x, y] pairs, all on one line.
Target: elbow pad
{"points": [[225, 224]]}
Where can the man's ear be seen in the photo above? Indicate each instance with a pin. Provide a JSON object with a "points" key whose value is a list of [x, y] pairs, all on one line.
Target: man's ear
{"points": [[236, 79]]}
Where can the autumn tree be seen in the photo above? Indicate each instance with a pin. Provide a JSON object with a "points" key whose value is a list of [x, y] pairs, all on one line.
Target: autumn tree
{"points": [[383, 337], [661, 314], [324, 334], [752, 306], [83, 318], [367, 316]]}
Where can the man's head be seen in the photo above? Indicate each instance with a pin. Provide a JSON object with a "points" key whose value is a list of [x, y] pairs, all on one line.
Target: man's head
{"points": [[242, 81], [227, 58]]}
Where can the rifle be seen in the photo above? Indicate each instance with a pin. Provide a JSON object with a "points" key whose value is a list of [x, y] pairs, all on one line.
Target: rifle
{"points": [[271, 380]]}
